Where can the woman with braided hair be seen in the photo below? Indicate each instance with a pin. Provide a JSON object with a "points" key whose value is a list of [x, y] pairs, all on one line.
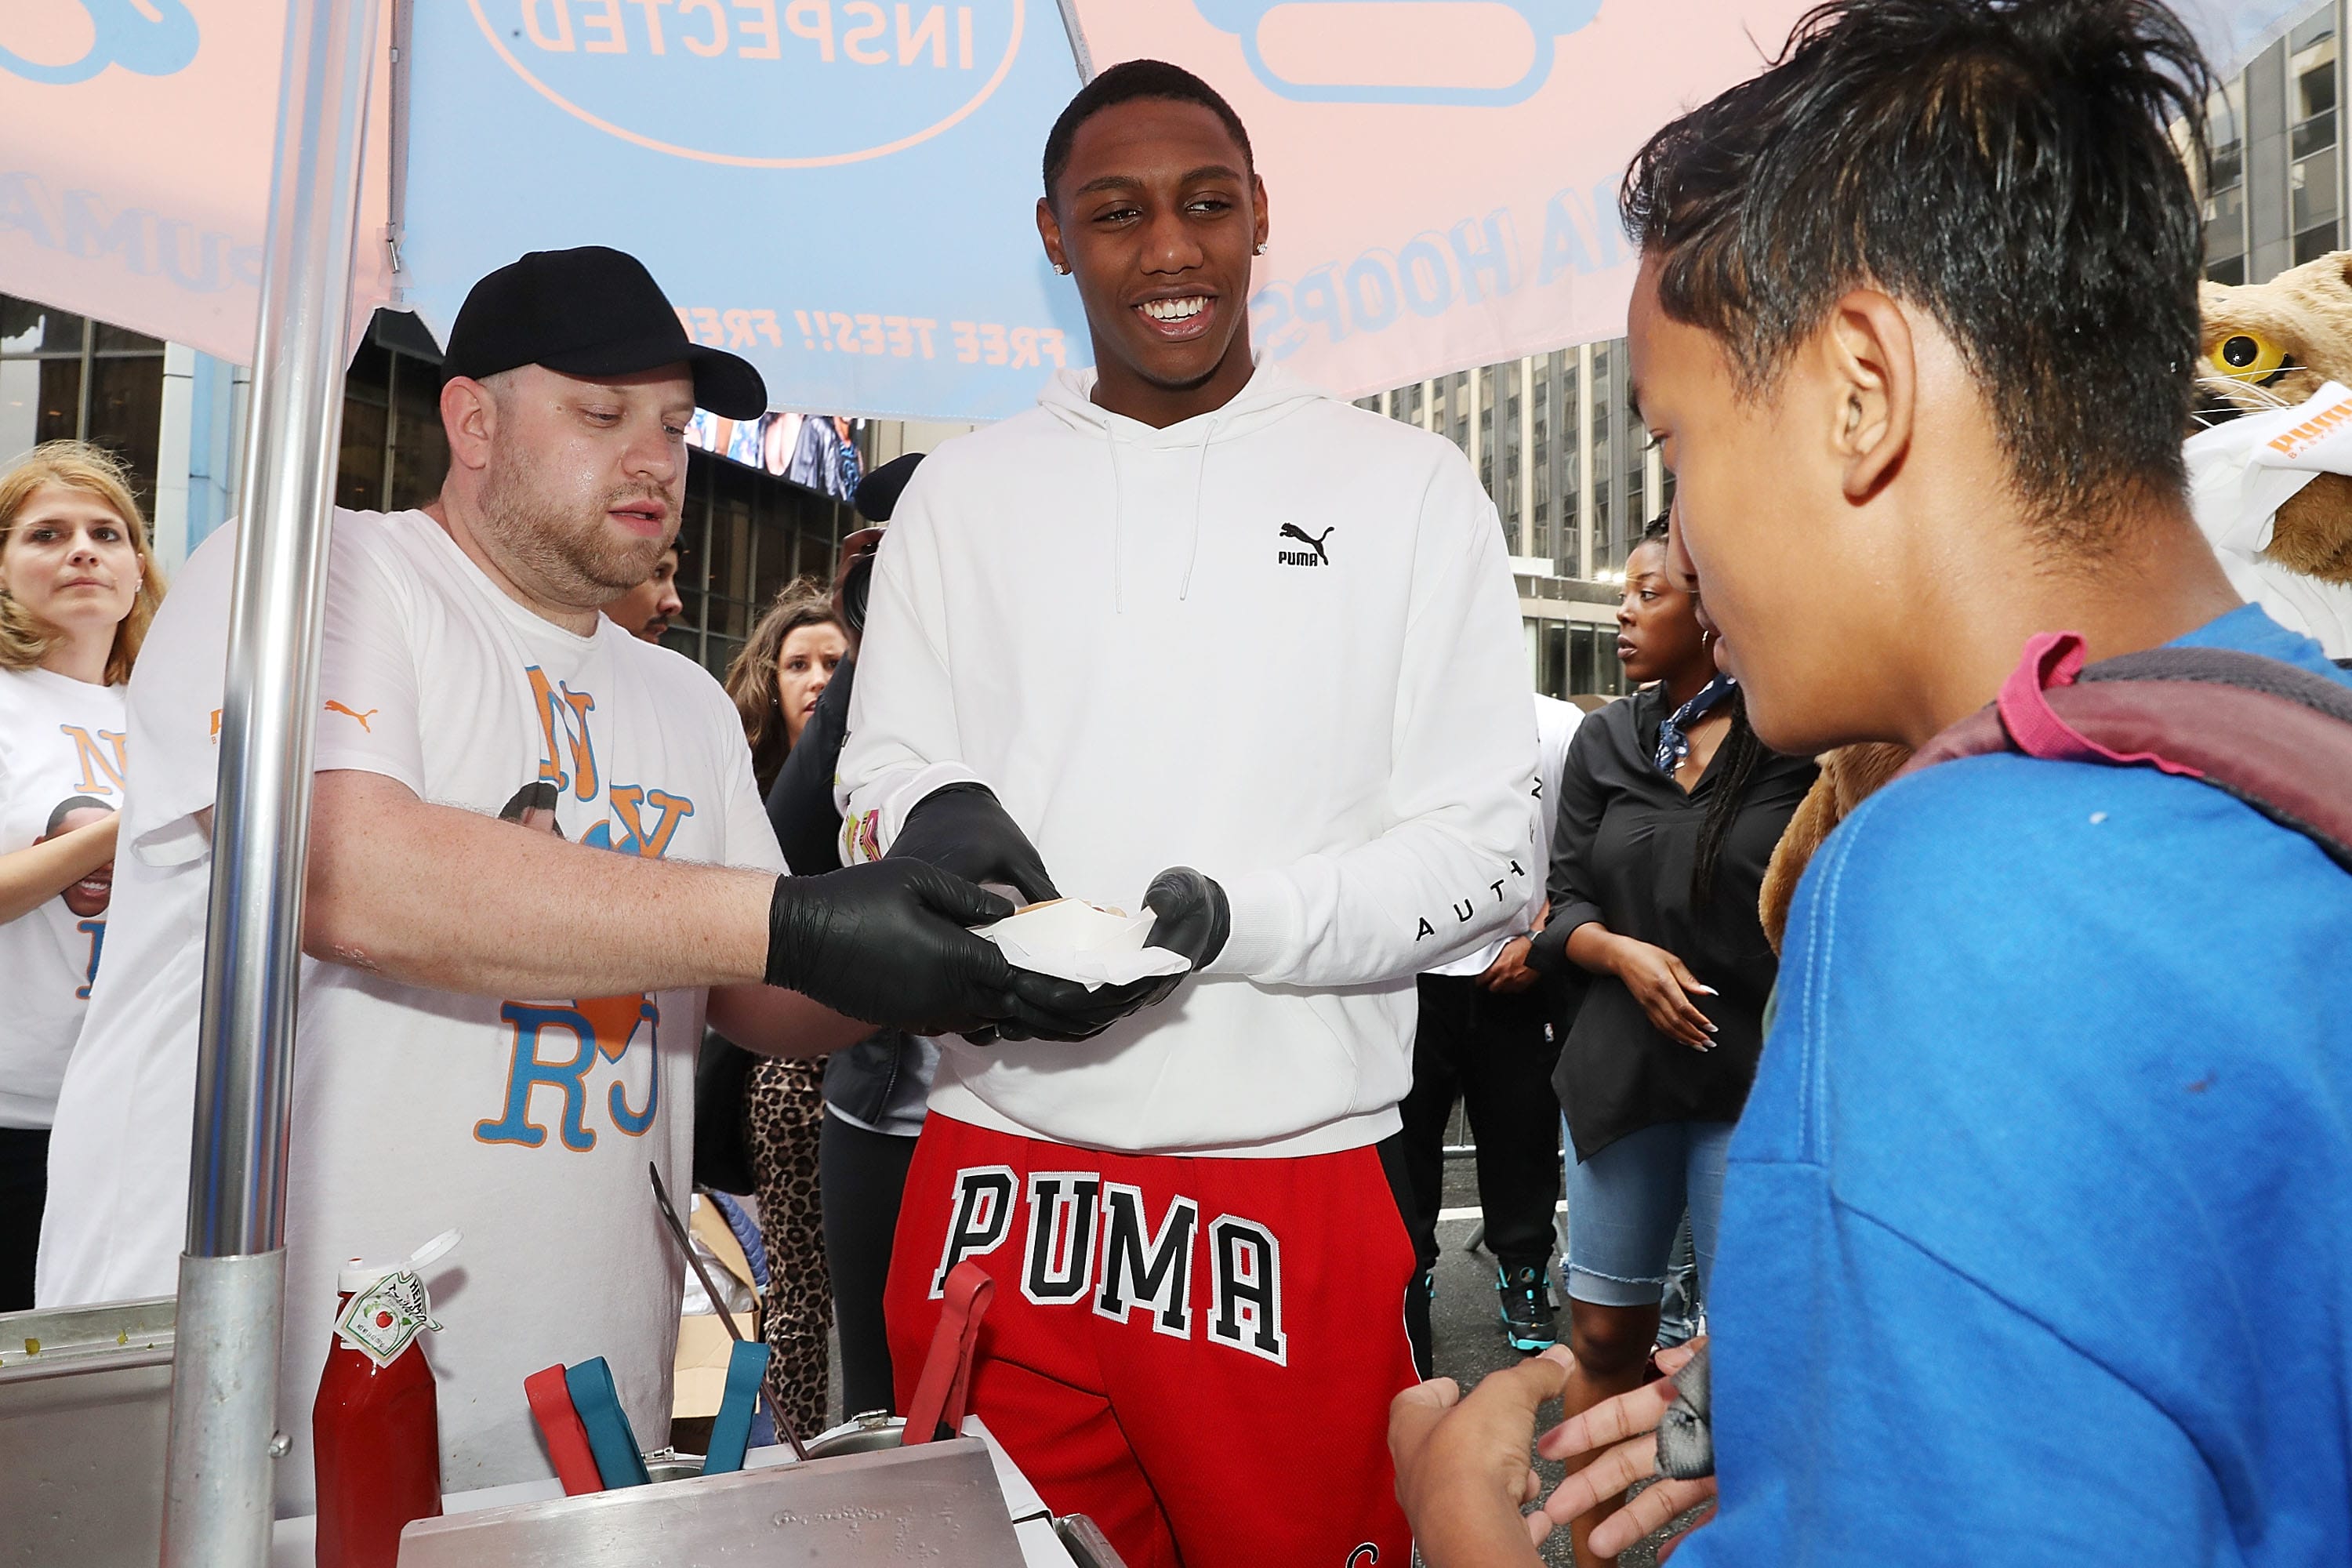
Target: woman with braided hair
{"points": [[1669, 808]]}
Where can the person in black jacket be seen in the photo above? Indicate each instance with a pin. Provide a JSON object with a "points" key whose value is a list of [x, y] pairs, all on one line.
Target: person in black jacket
{"points": [[1669, 808], [778, 680], [874, 1092]]}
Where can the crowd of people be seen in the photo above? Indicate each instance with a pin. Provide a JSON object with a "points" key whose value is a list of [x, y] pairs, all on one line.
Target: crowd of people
{"points": [[1993, 1194]]}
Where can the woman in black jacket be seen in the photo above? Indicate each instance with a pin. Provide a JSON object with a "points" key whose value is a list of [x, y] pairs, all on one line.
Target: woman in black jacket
{"points": [[1668, 810]]}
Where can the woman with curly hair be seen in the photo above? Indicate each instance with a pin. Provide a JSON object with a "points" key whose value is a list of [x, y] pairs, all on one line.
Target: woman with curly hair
{"points": [[78, 588], [775, 681]]}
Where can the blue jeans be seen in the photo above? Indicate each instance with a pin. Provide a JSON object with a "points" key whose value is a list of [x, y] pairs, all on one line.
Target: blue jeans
{"points": [[1625, 1204]]}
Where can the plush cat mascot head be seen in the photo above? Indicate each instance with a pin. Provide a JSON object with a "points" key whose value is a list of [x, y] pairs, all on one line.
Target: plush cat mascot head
{"points": [[2269, 346], [2265, 345]]}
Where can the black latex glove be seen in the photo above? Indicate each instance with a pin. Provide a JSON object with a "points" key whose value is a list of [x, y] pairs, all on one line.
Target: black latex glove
{"points": [[887, 943], [1193, 920], [964, 829]]}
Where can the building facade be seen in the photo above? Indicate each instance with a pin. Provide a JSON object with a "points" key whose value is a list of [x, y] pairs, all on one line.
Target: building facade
{"points": [[174, 416], [2274, 194], [1574, 478]]}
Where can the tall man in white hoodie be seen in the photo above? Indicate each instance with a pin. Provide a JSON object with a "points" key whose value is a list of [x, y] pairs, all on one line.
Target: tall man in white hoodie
{"points": [[1189, 609]]}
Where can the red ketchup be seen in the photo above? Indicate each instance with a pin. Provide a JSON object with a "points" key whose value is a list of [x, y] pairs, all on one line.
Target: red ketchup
{"points": [[375, 1426]]}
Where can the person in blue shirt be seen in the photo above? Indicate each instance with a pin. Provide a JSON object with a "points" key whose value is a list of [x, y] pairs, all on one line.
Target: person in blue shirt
{"points": [[2034, 1235]]}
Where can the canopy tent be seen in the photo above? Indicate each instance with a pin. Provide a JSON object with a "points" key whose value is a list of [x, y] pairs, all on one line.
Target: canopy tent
{"points": [[842, 189]]}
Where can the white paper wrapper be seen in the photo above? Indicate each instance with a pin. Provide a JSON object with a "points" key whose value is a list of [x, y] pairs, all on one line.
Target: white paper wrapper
{"points": [[1074, 941], [2241, 472]]}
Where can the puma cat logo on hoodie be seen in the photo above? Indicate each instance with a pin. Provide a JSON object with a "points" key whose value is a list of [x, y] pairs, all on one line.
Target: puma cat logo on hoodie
{"points": [[1300, 557]]}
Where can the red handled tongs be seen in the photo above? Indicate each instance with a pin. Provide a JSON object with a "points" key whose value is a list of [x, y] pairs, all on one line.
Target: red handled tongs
{"points": [[945, 1387]]}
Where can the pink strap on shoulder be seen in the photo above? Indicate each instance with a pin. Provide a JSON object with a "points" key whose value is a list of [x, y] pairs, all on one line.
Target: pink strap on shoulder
{"points": [[2052, 660]]}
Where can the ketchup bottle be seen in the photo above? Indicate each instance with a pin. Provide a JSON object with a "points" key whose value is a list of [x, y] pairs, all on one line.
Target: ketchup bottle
{"points": [[375, 1427]]}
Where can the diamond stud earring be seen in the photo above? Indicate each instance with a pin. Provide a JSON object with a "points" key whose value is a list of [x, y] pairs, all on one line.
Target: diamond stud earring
{"points": [[1261, 248]]}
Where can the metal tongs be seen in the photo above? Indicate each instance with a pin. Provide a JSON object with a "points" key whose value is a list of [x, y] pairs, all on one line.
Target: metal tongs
{"points": [[718, 1302]]}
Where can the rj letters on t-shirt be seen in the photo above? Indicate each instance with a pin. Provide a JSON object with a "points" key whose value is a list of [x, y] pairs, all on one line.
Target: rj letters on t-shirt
{"points": [[528, 1123], [62, 767]]}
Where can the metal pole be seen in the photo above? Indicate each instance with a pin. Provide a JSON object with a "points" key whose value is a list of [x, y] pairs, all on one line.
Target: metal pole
{"points": [[219, 1477], [1080, 54], [395, 227]]}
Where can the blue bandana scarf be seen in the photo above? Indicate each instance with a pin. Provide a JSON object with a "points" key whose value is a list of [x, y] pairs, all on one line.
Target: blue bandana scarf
{"points": [[1674, 745]]}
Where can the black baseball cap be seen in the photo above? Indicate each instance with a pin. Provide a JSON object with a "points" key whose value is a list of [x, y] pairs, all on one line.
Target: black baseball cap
{"points": [[592, 311]]}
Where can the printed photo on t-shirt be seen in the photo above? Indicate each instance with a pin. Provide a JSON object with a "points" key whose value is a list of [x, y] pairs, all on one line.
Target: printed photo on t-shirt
{"points": [[88, 898]]}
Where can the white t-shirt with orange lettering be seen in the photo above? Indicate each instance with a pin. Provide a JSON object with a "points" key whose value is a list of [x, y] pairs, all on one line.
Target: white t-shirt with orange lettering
{"points": [[62, 767], [526, 1122]]}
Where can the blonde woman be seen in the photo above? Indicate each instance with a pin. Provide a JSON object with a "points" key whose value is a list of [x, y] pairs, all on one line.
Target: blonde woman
{"points": [[77, 589], [775, 681]]}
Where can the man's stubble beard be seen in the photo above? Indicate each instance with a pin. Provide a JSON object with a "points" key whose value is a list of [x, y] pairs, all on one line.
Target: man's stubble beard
{"points": [[571, 557]]}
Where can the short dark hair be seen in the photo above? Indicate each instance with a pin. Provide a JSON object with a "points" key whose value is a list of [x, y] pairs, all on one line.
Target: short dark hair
{"points": [[67, 806], [1124, 83], [2008, 166]]}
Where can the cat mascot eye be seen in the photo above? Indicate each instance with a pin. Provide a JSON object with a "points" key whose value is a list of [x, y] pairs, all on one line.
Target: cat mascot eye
{"points": [[2244, 356]]}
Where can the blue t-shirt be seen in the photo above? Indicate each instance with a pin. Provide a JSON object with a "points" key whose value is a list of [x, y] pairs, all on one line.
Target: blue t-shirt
{"points": [[2037, 1235]]}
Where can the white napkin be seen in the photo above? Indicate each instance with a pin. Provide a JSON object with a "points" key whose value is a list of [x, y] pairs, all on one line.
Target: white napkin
{"points": [[2241, 472], [1071, 940]]}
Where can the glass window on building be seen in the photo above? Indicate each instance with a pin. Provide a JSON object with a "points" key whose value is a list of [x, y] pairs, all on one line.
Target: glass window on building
{"points": [[1551, 657], [1571, 532], [2225, 188], [1593, 666], [1604, 535], [1540, 545], [1634, 511], [1486, 401], [396, 453], [2312, 143], [62, 375]]}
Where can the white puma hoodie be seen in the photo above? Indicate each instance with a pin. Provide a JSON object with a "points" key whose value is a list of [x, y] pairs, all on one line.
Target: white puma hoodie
{"points": [[1279, 642]]}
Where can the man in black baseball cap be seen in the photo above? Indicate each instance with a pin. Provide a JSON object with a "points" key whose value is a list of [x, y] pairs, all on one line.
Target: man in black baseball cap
{"points": [[504, 1011], [597, 312]]}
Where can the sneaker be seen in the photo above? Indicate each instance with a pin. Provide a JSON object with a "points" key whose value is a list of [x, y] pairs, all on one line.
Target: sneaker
{"points": [[1530, 1321]]}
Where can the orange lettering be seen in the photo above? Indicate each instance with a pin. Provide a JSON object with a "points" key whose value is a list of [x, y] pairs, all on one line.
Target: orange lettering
{"points": [[94, 762], [561, 707]]}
